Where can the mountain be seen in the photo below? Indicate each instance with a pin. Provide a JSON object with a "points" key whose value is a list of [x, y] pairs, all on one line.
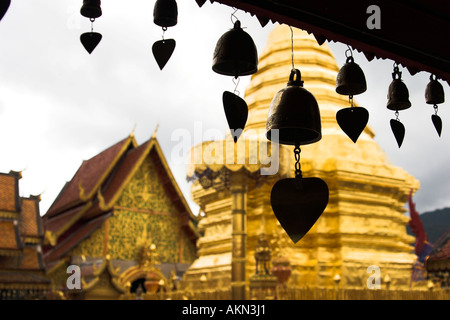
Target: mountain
{"points": [[435, 223]]}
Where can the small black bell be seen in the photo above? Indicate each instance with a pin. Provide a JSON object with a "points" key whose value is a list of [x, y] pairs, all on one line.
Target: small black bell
{"points": [[434, 92], [91, 9], [398, 95], [165, 13], [235, 53], [350, 79], [295, 113]]}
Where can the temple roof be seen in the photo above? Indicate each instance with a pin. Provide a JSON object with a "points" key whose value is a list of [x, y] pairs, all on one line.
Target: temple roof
{"points": [[439, 258], [89, 176], [21, 234], [89, 198]]}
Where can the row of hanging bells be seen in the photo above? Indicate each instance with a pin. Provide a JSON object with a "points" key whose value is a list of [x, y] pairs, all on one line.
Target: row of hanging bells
{"points": [[351, 81], [294, 119], [398, 100], [165, 14], [235, 55]]}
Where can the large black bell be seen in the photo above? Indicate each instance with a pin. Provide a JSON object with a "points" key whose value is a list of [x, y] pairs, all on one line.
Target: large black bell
{"points": [[294, 112], [4, 5], [91, 9], [235, 53], [434, 92], [350, 79], [398, 95], [165, 13]]}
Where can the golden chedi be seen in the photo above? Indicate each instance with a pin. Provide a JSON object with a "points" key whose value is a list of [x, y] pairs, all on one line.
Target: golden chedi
{"points": [[363, 224]]}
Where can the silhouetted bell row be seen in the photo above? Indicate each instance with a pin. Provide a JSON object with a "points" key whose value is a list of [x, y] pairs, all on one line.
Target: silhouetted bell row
{"points": [[351, 81], [165, 14]]}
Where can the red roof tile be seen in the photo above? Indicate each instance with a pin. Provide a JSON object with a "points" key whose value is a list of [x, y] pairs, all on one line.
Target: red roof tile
{"points": [[31, 259], [8, 192], [90, 173], [74, 238], [441, 250], [30, 221], [54, 224], [13, 277], [9, 238]]}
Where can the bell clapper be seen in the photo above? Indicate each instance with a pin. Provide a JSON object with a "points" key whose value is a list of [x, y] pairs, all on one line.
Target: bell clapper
{"points": [[164, 29]]}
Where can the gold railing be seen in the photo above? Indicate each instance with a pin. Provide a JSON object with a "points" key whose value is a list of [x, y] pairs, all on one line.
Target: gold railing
{"points": [[363, 294], [305, 293]]}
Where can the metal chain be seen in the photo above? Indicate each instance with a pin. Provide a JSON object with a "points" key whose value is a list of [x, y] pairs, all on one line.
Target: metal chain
{"points": [[435, 109], [298, 171], [92, 24]]}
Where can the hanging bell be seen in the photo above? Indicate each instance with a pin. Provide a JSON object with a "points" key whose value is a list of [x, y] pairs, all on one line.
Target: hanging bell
{"points": [[91, 9], [165, 13], [350, 79], [398, 95], [434, 92], [4, 5], [295, 113], [235, 53]]}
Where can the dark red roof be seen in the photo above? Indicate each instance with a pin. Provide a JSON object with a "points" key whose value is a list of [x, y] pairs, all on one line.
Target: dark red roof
{"points": [[90, 174], [72, 239], [55, 223]]}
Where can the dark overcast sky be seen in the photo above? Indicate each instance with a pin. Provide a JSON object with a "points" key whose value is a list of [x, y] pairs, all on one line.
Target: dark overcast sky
{"points": [[59, 105]]}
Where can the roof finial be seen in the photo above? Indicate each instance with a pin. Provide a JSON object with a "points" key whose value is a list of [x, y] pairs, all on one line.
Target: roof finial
{"points": [[132, 131], [154, 132]]}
